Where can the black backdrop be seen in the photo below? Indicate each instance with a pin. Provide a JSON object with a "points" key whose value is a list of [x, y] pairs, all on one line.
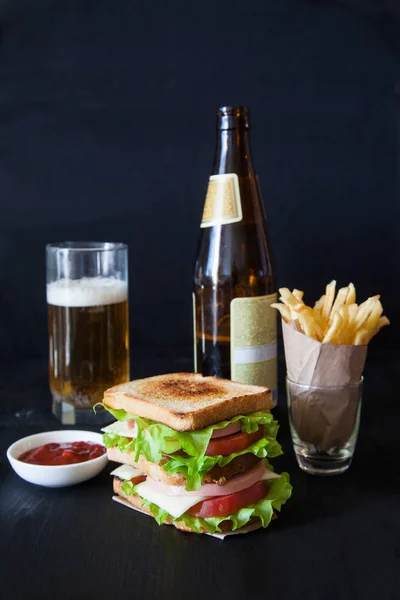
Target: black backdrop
{"points": [[107, 132]]}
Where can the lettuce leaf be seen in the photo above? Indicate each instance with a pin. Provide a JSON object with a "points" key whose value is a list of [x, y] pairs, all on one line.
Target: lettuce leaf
{"points": [[155, 440], [279, 491], [195, 468], [113, 439]]}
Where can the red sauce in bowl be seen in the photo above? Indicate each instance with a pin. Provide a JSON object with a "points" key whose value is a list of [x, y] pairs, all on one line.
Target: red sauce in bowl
{"points": [[67, 453]]}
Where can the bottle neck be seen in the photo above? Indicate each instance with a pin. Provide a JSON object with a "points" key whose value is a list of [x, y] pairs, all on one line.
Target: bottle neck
{"points": [[233, 153]]}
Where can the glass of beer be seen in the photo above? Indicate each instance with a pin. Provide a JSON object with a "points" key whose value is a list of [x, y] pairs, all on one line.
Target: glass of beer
{"points": [[87, 298]]}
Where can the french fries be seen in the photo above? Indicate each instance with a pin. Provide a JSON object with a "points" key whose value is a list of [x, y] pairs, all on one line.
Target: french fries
{"points": [[298, 294], [334, 330], [336, 317], [329, 297], [318, 306]]}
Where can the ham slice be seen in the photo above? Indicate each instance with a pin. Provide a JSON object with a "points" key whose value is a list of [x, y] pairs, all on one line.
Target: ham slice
{"points": [[208, 490]]}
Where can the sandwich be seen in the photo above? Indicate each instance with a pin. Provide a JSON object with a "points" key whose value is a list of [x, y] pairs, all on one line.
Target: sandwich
{"points": [[195, 452]]}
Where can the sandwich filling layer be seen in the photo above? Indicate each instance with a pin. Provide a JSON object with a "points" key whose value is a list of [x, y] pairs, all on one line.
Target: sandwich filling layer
{"points": [[209, 514], [194, 454]]}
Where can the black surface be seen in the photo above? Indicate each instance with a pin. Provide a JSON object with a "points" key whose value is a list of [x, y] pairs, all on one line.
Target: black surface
{"points": [[107, 132], [336, 538]]}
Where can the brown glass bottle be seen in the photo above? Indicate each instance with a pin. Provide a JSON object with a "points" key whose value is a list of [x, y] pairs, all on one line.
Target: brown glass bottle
{"points": [[234, 339]]}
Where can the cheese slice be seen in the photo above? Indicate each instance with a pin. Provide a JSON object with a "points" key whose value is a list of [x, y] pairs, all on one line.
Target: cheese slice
{"points": [[269, 475], [126, 472], [174, 505], [121, 428]]}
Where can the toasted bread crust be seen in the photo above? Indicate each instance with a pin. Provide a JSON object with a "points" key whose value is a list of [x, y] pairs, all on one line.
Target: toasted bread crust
{"points": [[153, 470], [187, 401]]}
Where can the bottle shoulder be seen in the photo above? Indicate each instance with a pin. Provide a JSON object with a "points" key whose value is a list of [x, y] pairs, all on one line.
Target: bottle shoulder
{"points": [[234, 255]]}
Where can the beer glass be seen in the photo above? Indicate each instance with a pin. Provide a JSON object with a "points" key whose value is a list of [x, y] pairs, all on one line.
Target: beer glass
{"points": [[87, 298]]}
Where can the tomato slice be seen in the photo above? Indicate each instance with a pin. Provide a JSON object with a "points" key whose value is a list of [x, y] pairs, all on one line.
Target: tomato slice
{"points": [[138, 479], [233, 443], [221, 506]]}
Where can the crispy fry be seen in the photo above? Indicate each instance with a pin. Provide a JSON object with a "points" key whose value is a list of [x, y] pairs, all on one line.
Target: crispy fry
{"points": [[333, 330], [374, 316], [344, 313], [329, 298], [298, 294], [340, 300], [289, 299], [284, 310], [361, 337], [309, 324], [323, 325], [333, 320], [344, 331], [351, 296], [318, 306], [353, 310], [383, 321], [363, 312]]}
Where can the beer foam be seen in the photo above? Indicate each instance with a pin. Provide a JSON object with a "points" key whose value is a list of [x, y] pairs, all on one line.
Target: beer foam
{"points": [[88, 291]]}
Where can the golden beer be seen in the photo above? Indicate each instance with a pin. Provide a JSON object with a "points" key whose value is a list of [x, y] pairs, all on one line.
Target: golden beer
{"points": [[88, 339]]}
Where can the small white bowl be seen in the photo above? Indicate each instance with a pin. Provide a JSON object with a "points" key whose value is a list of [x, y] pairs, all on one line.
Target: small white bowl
{"points": [[56, 475]]}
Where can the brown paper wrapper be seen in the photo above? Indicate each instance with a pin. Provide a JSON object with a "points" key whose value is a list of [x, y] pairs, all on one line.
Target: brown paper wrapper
{"points": [[324, 418]]}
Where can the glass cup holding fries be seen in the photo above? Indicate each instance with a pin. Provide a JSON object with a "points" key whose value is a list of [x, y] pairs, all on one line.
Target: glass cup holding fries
{"points": [[324, 441], [325, 350]]}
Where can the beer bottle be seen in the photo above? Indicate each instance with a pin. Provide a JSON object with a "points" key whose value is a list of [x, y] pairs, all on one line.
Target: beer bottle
{"points": [[234, 283]]}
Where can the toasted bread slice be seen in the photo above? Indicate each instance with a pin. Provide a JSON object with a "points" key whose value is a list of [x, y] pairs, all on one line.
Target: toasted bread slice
{"points": [[218, 475], [187, 401]]}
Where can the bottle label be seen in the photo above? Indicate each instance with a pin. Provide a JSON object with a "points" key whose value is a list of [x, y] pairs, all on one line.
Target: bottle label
{"points": [[253, 341], [223, 204]]}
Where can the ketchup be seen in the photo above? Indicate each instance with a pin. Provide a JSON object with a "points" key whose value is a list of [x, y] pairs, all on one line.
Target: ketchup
{"points": [[62, 454]]}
